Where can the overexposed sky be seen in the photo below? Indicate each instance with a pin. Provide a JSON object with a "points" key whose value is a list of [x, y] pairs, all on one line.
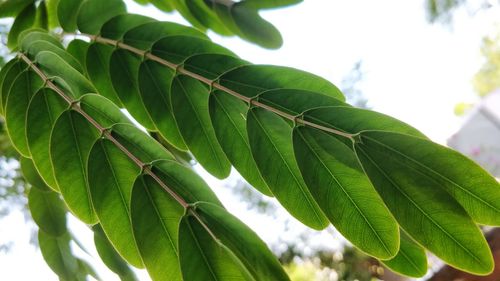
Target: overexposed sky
{"points": [[415, 72]]}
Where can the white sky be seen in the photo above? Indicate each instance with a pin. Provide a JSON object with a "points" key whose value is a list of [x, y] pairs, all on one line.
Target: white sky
{"points": [[415, 72]]}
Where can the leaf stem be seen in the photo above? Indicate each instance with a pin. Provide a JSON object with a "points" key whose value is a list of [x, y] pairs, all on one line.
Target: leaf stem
{"points": [[214, 84]]}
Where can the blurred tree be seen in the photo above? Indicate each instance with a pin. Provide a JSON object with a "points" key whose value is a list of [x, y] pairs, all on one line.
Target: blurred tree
{"points": [[487, 79], [442, 10]]}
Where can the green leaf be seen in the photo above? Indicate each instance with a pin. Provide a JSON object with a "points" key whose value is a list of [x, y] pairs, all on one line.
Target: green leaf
{"points": [[85, 269], [87, 21], [67, 12], [144, 36], [124, 70], [476, 190], [242, 241], [44, 108], [33, 35], [154, 85], [48, 211], [424, 210], [57, 254], [52, 13], [11, 8], [410, 260], [203, 258], [70, 143], [23, 21], [155, 219], [177, 48], [211, 66], [271, 143], [354, 120], [10, 72], [31, 174], [110, 257], [228, 119], [116, 27], [111, 178], [54, 65], [251, 80], [41, 19], [162, 5], [190, 107], [39, 46], [102, 110], [294, 102], [18, 98], [207, 17], [346, 196], [270, 4], [184, 182], [97, 63], [78, 49]]}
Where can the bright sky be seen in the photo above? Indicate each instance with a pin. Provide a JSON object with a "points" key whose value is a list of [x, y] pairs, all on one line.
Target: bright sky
{"points": [[415, 72]]}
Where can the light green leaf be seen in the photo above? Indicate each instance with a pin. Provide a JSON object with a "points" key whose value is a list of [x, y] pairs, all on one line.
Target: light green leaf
{"points": [[155, 219], [67, 12], [207, 17], [476, 190], [41, 19], [111, 177], [251, 80], [48, 211], [43, 111], [228, 119], [271, 143], [102, 110], [30, 36], [424, 210], [410, 260], [202, 258], [110, 257], [242, 241], [87, 21], [57, 254], [211, 66], [70, 143], [346, 196], [270, 4], [23, 21], [154, 85], [190, 107], [18, 98], [38, 46], [54, 65], [31, 174]]}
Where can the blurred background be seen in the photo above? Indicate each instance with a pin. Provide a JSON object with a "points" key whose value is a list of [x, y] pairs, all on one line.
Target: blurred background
{"points": [[434, 64]]}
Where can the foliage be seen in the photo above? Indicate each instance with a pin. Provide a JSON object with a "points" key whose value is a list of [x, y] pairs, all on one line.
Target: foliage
{"points": [[383, 185], [486, 79]]}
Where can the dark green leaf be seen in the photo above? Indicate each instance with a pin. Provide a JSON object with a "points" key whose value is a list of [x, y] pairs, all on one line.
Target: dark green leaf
{"points": [[78, 49], [424, 210], [31, 36], [23, 21], [10, 72], [102, 110], [41, 19], [39, 46], [251, 80], [270, 4], [190, 107], [124, 70], [87, 21], [410, 260], [111, 178], [271, 143], [18, 98], [116, 27], [476, 190], [155, 219], [154, 85], [67, 12], [11, 8], [242, 241], [206, 16], [203, 258], [48, 211], [70, 143], [43, 111], [211, 66], [346, 196], [228, 119], [97, 63]]}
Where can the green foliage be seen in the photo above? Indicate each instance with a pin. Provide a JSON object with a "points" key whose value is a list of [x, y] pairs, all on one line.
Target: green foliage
{"points": [[486, 79], [289, 132]]}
